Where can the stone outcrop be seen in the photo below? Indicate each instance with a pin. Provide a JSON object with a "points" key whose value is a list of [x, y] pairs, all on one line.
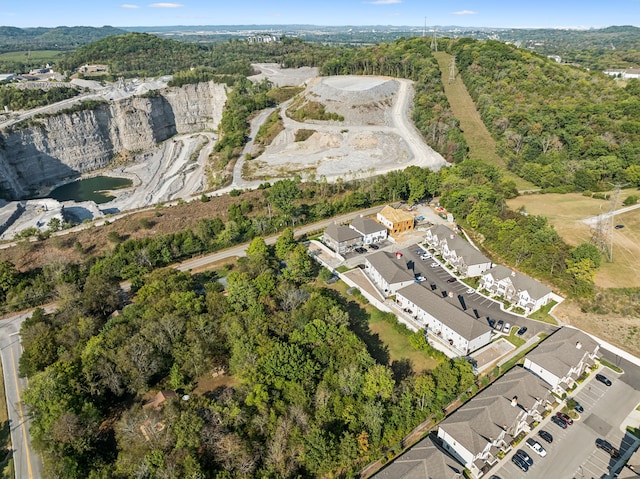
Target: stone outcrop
{"points": [[65, 145]]}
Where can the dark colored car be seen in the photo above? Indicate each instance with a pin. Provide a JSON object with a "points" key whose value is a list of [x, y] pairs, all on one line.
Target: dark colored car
{"points": [[499, 325], [360, 250], [522, 330], [578, 407], [565, 418], [545, 435], [525, 457], [607, 447], [619, 227], [559, 422], [521, 463], [492, 322], [603, 379], [451, 280], [373, 246]]}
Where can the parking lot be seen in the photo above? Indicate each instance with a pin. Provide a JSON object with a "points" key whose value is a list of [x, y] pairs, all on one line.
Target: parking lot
{"points": [[573, 453], [437, 279]]}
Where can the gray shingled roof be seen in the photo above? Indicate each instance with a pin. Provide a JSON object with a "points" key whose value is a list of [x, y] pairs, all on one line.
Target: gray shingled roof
{"points": [[457, 243], [341, 233], [463, 324], [485, 416], [558, 353], [423, 461], [520, 281], [391, 269], [367, 226]]}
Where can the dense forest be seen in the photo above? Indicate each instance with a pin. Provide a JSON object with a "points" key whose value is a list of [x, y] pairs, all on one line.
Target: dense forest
{"points": [[310, 396], [59, 38], [561, 128]]}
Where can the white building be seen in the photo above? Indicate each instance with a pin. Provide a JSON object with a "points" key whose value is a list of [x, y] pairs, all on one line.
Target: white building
{"points": [[516, 288], [457, 252], [372, 232], [388, 271], [448, 327], [562, 358], [487, 424], [627, 74]]}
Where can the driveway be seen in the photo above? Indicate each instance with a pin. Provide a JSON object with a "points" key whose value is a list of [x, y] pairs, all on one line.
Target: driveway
{"points": [[457, 293]]}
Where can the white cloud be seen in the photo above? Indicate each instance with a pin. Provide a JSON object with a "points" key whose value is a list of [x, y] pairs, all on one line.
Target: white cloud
{"points": [[464, 12], [384, 2], [126, 5], [166, 5]]}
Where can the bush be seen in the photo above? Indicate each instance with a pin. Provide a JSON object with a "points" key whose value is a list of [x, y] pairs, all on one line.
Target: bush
{"points": [[630, 200], [114, 237], [235, 192]]}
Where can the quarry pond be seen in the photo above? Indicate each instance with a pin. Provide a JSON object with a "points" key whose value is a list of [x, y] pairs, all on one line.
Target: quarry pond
{"points": [[90, 189]]}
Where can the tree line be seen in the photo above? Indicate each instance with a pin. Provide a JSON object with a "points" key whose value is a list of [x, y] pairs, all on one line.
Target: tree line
{"points": [[561, 128]]}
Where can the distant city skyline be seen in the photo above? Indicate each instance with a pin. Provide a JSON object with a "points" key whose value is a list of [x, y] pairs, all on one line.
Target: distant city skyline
{"points": [[469, 13]]}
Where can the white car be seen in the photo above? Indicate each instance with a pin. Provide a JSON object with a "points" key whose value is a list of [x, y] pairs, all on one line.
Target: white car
{"points": [[425, 256], [537, 447], [507, 327], [471, 291], [434, 265]]}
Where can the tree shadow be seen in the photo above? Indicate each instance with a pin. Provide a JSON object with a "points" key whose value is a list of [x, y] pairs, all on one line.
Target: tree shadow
{"points": [[359, 322], [402, 369]]}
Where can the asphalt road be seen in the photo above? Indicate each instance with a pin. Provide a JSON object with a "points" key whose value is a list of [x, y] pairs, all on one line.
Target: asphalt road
{"points": [[26, 463], [203, 261], [458, 294]]}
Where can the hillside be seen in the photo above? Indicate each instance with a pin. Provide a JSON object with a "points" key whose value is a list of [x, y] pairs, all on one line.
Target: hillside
{"points": [[58, 38]]}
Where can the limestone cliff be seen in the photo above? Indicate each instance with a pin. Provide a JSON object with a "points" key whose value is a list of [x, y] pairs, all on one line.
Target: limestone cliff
{"points": [[65, 145]]}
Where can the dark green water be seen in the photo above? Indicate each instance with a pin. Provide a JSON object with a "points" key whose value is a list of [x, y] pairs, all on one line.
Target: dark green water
{"points": [[90, 189]]}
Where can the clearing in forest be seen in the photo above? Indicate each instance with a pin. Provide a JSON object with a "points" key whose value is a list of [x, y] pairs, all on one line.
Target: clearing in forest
{"points": [[481, 144]]}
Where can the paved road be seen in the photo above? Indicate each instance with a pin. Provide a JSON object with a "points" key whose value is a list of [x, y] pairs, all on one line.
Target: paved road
{"points": [[26, 463], [204, 261]]}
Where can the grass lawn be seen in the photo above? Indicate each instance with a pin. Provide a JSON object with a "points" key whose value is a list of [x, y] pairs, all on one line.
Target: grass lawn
{"points": [[482, 146], [514, 339], [566, 212], [44, 56], [396, 345], [543, 313]]}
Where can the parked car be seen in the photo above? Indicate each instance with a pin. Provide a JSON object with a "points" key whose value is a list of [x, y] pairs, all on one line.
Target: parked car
{"points": [[451, 280], [434, 265], [607, 447], [559, 422], [547, 436], [470, 290], [578, 407], [522, 330], [492, 322], [619, 227], [507, 327], [537, 447], [565, 418], [603, 379], [521, 463], [425, 257], [499, 325], [526, 457], [360, 250], [373, 246], [420, 278]]}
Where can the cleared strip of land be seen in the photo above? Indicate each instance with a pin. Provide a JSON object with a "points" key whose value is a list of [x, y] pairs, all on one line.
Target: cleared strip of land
{"points": [[481, 144]]}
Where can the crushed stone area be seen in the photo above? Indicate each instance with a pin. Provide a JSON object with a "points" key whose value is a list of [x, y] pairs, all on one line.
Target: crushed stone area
{"points": [[283, 76], [375, 137]]}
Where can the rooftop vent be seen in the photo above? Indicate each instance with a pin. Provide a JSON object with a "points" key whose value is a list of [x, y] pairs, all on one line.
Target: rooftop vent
{"points": [[398, 255], [514, 401], [578, 345]]}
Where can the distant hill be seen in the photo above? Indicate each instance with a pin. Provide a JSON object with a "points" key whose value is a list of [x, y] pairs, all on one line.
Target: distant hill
{"points": [[14, 39]]}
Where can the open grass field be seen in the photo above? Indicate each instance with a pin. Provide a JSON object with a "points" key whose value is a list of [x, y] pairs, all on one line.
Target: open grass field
{"points": [[566, 212], [481, 144], [44, 56]]}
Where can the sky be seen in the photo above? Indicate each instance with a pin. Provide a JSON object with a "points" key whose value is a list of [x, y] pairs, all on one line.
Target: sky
{"points": [[478, 13]]}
